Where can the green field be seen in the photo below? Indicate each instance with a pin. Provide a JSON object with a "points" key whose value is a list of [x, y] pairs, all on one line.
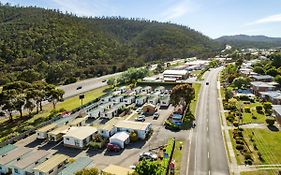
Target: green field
{"points": [[19, 125], [247, 117], [261, 172], [193, 104]]}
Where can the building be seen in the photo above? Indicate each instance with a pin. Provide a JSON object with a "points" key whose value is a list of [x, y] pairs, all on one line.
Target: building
{"points": [[149, 109], [95, 113], [52, 166], [117, 170], [117, 100], [79, 164], [147, 89], [106, 99], [165, 101], [42, 133], [80, 121], [258, 86], [58, 133], [7, 148], [273, 96], [123, 89], [153, 100], [141, 100], [11, 157], [25, 166], [79, 137], [142, 128], [129, 100], [114, 111], [107, 130], [120, 138], [276, 109], [174, 75], [263, 78], [137, 90], [160, 89]]}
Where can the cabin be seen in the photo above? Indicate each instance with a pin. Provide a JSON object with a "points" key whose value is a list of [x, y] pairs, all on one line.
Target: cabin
{"points": [[165, 101], [153, 100], [117, 100], [58, 133], [25, 166], [123, 89], [146, 89], [79, 137], [137, 90], [95, 113], [8, 159], [79, 164], [129, 100], [52, 166], [107, 130], [142, 128], [7, 148], [106, 99], [42, 133], [160, 89], [114, 111], [141, 100], [80, 121]]}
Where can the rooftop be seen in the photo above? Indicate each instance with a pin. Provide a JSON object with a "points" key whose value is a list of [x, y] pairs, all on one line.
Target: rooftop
{"points": [[272, 94], [79, 164], [47, 128], [51, 163], [175, 72], [120, 136], [62, 129], [7, 149], [262, 77], [77, 121], [14, 154], [35, 156], [80, 132], [261, 84], [117, 170], [133, 125], [109, 124]]}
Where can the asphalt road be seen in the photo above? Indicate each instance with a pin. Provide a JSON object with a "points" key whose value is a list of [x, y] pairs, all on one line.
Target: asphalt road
{"points": [[208, 154]]}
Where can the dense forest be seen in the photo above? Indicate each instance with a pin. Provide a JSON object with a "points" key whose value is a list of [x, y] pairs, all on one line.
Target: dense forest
{"points": [[246, 41], [58, 47]]}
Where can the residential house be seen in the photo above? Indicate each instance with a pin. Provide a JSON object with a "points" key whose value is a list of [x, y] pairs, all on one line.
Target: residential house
{"points": [[25, 166], [79, 137], [79, 164], [141, 100], [52, 166], [120, 138], [165, 101], [106, 99], [160, 89], [263, 78], [129, 100], [58, 133], [258, 86], [80, 121], [137, 89], [7, 160], [42, 133], [146, 89], [276, 109], [142, 128], [273, 96]]}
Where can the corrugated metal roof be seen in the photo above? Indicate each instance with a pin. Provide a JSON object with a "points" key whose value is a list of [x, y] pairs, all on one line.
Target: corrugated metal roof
{"points": [[79, 164], [47, 128], [13, 155], [117, 170], [7, 149], [37, 155], [133, 125], [51, 163], [80, 132]]}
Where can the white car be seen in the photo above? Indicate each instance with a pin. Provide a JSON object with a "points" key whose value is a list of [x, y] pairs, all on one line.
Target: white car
{"points": [[139, 110], [140, 118], [148, 155]]}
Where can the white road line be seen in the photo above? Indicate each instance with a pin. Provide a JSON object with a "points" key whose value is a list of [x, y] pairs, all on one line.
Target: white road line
{"points": [[209, 172], [208, 155], [207, 128]]}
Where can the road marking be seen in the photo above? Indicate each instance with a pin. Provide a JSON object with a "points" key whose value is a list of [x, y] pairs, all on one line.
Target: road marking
{"points": [[208, 155], [207, 128], [209, 172]]}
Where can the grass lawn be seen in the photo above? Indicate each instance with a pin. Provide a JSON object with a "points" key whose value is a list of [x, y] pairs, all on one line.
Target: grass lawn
{"points": [[267, 143], [12, 129], [260, 172], [247, 117], [193, 104]]}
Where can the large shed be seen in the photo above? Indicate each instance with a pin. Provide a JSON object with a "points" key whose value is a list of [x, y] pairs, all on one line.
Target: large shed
{"points": [[120, 138]]}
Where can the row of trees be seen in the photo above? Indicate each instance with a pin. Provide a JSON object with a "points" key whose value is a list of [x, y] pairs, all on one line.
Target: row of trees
{"points": [[21, 95]]}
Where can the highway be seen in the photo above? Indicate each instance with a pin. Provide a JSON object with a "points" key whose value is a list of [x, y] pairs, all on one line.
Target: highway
{"points": [[207, 152]]}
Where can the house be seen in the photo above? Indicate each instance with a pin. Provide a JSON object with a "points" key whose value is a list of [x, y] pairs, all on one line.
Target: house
{"points": [[146, 89], [258, 86], [105, 106], [123, 89], [80, 121], [107, 130], [25, 166], [114, 111], [52, 166], [7, 148], [117, 100], [160, 89], [174, 75], [11, 157], [58, 133], [276, 109], [273, 96], [117, 170], [42, 133], [141, 100], [165, 101], [79, 137], [142, 128], [263, 78], [149, 109], [137, 90], [106, 99], [120, 138], [129, 100], [153, 99], [79, 164]]}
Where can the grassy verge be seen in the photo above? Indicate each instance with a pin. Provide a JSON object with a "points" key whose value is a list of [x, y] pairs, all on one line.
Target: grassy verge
{"points": [[9, 130], [247, 117], [261, 172], [193, 104]]}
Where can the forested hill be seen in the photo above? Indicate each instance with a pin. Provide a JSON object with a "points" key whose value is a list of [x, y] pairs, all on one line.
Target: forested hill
{"points": [[246, 41], [36, 43]]}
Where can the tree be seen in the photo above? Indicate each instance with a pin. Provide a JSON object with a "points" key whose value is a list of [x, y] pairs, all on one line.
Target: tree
{"points": [[241, 82], [29, 75], [91, 171], [182, 94], [54, 95], [276, 59], [259, 70], [272, 71], [39, 93], [278, 79], [7, 98], [270, 121], [146, 167]]}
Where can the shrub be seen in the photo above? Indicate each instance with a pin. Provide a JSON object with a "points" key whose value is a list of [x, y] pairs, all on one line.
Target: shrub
{"points": [[248, 162], [259, 109], [255, 146], [247, 110], [235, 123], [240, 142], [254, 117], [270, 121], [240, 133], [133, 136], [248, 156], [230, 118], [239, 147]]}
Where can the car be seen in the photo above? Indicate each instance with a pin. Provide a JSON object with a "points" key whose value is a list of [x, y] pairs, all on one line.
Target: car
{"points": [[207, 83], [148, 155], [103, 81], [140, 118], [155, 115], [139, 110], [79, 87], [113, 147]]}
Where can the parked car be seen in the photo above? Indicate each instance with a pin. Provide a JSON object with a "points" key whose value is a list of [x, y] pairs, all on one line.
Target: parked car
{"points": [[140, 118], [207, 83], [79, 87], [155, 115], [103, 81], [139, 110], [113, 147], [148, 155]]}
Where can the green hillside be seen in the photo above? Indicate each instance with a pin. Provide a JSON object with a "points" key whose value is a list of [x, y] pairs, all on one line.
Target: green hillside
{"points": [[47, 44]]}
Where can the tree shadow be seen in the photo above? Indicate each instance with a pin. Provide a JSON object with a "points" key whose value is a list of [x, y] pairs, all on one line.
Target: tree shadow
{"points": [[273, 128]]}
